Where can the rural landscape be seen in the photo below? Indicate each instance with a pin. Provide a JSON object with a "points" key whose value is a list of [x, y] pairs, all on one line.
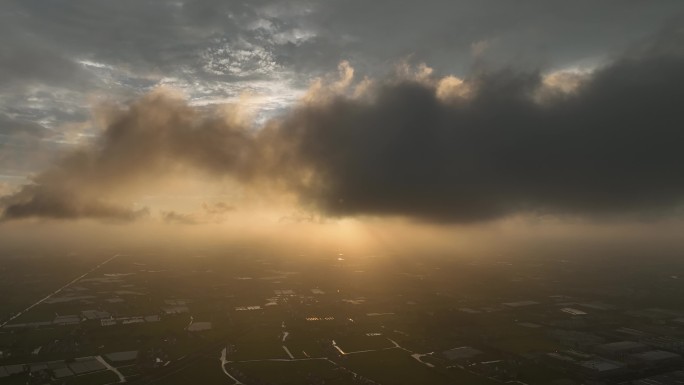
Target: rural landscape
{"points": [[250, 318]]}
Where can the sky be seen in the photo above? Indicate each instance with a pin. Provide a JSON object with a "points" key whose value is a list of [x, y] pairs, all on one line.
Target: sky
{"points": [[452, 125]]}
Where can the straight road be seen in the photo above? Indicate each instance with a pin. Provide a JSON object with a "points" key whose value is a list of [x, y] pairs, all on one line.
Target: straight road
{"points": [[57, 291]]}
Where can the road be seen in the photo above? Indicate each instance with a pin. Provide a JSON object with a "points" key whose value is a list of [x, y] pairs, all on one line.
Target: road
{"points": [[223, 367], [56, 291], [111, 368]]}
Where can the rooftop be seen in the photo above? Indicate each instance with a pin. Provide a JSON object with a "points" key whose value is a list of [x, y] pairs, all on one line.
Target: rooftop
{"points": [[656, 355], [601, 365], [122, 356], [616, 347], [520, 303], [86, 366], [672, 378], [199, 326]]}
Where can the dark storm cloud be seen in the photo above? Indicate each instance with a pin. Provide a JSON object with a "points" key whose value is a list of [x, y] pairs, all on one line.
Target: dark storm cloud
{"points": [[508, 145], [612, 147]]}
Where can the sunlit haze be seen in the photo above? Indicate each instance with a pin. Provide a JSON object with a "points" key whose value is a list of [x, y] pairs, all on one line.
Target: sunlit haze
{"points": [[327, 139]]}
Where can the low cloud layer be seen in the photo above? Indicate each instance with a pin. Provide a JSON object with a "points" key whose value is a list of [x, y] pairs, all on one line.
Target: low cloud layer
{"points": [[495, 144], [156, 137], [209, 213], [611, 146]]}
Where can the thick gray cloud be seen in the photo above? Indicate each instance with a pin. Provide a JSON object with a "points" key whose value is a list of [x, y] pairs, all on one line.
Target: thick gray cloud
{"points": [[614, 147], [610, 147]]}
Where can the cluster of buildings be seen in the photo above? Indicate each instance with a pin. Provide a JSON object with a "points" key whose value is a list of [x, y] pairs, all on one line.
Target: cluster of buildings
{"points": [[592, 345], [616, 360], [63, 369]]}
